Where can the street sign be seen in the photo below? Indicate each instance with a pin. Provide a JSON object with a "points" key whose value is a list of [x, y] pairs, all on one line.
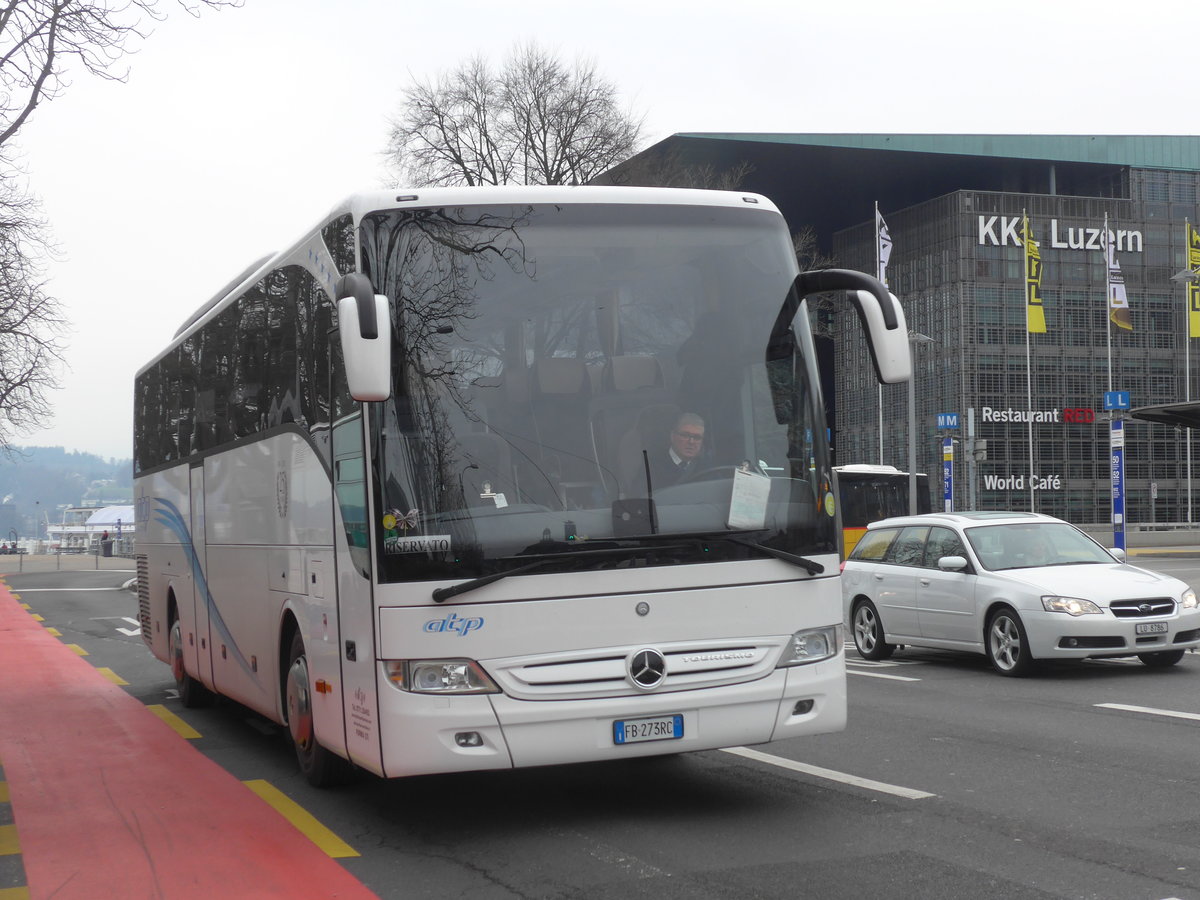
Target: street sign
{"points": [[1116, 399], [947, 420]]}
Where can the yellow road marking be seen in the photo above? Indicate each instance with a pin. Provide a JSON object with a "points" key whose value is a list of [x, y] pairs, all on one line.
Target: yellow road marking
{"points": [[182, 728], [4, 792], [53, 631], [8, 840], [77, 649], [111, 675], [38, 618], [304, 821], [17, 893]]}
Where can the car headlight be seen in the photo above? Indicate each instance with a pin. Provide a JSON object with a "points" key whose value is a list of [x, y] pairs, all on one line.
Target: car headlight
{"points": [[811, 645], [1072, 606], [1188, 600], [439, 676]]}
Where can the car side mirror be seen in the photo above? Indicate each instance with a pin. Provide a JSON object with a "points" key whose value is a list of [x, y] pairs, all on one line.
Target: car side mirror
{"points": [[952, 563], [1118, 554]]}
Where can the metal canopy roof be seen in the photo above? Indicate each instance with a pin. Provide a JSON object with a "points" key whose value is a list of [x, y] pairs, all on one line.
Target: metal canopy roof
{"points": [[1185, 415], [1142, 151]]}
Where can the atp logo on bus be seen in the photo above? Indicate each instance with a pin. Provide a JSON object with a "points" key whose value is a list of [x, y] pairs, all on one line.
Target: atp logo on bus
{"points": [[454, 622]]}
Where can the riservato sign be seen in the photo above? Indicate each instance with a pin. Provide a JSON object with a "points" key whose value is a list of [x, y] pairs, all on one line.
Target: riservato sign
{"points": [[997, 231]]}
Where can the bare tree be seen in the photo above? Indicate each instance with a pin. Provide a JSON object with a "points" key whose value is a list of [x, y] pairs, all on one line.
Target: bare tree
{"points": [[31, 321], [672, 170], [535, 121], [41, 41]]}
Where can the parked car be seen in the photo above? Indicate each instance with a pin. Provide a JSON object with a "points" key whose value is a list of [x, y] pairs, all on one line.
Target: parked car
{"points": [[1018, 587]]}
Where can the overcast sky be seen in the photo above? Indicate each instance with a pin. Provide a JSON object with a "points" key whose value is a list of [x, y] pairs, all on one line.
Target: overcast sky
{"points": [[235, 132]]}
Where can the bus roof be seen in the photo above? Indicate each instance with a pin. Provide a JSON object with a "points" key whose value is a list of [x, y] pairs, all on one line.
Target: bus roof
{"points": [[362, 203]]}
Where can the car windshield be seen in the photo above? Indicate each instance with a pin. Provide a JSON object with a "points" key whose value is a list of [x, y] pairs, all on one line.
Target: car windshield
{"points": [[582, 374], [1034, 544]]}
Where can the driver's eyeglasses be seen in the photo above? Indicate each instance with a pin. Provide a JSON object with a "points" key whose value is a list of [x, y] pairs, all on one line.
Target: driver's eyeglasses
{"points": [[690, 435]]}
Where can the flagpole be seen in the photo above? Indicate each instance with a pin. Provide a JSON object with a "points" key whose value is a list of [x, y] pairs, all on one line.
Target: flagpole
{"points": [[1108, 297], [1028, 364], [878, 271]]}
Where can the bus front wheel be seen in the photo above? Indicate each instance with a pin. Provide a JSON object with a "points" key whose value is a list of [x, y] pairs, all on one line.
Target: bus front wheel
{"points": [[321, 767], [192, 693]]}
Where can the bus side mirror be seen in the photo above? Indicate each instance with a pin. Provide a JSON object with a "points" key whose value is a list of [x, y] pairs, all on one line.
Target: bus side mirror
{"points": [[364, 324], [879, 311]]}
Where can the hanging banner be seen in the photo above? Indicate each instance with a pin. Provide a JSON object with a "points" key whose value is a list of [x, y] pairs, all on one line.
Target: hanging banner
{"points": [[1193, 287], [1035, 312], [883, 246], [1118, 302]]}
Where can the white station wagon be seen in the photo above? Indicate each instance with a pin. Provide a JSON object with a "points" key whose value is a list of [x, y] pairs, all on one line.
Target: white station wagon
{"points": [[1018, 587]]}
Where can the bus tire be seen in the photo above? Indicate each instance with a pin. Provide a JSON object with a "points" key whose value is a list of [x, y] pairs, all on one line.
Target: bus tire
{"points": [[192, 693], [868, 632], [320, 767]]}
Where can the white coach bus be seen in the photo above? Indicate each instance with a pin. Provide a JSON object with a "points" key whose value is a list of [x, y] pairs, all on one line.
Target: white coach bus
{"points": [[408, 488]]}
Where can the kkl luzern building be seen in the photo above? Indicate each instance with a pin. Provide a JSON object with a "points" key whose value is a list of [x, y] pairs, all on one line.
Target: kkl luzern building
{"points": [[954, 208]]}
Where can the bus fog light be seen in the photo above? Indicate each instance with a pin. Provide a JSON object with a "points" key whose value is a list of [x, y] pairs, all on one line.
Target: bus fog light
{"points": [[812, 645], [439, 676], [802, 707], [469, 739]]}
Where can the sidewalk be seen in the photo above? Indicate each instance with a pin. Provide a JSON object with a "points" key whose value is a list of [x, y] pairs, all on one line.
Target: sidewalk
{"points": [[109, 802], [17, 564]]}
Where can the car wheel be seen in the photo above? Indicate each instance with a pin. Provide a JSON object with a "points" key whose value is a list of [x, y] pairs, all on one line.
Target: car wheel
{"points": [[321, 767], [1007, 644], [1161, 659], [868, 632]]}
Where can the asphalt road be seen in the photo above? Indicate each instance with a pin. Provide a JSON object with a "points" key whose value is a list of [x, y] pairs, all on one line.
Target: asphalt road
{"points": [[949, 782]]}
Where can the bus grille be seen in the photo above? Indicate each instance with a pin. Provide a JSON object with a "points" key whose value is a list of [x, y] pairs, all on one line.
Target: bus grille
{"points": [[143, 591], [604, 673]]}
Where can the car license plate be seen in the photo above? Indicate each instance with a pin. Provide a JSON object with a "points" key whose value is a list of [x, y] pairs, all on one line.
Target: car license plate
{"points": [[1150, 628], [658, 728]]}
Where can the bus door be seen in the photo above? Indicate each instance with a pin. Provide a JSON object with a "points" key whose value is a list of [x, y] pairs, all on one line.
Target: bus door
{"points": [[355, 600], [202, 660]]}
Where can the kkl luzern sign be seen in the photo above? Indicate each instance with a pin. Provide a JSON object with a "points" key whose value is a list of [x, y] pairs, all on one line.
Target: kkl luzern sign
{"points": [[1068, 415], [996, 231]]}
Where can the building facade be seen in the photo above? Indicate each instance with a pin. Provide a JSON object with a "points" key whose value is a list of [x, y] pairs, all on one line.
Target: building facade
{"points": [[958, 263], [953, 206]]}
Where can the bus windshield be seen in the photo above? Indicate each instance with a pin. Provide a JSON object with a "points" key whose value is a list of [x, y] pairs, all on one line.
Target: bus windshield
{"points": [[587, 377]]}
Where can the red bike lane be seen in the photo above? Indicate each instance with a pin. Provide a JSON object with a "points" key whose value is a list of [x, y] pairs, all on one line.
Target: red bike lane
{"points": [[109, 802]]}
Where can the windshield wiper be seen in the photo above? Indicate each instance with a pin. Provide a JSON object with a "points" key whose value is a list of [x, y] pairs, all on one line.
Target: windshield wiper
{"points": [[441, 594], [811, 566]]}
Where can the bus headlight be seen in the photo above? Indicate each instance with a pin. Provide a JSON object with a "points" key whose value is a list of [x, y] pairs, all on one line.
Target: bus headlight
{"points": [[812, 645], [439, 676]]}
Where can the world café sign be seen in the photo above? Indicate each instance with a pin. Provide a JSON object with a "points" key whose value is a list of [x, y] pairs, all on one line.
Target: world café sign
{"points": [[1069, 415]]}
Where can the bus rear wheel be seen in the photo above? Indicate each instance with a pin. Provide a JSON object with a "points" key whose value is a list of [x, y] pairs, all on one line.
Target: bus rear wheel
{"points": [[321, 767]]}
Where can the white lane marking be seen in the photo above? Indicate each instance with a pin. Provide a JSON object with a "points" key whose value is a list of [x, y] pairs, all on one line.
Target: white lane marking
{"points": [[1151, 711], [830, 774], [613, 856], [60, 589], [881, 675]]}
